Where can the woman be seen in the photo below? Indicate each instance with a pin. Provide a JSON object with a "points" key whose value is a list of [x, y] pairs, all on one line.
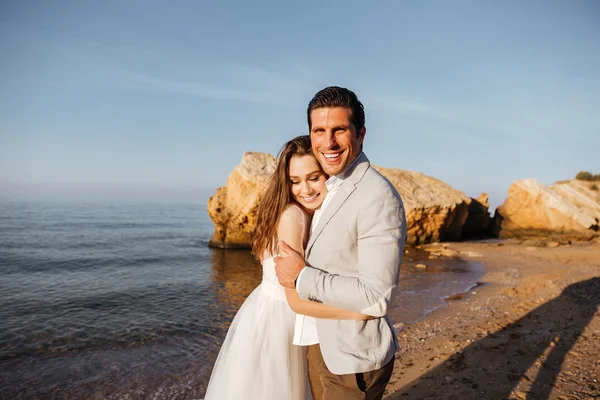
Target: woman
{"points": [[257, 359]]}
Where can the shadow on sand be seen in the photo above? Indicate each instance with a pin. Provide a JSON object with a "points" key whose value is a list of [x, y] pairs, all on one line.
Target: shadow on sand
{"points": [[530, 350]]}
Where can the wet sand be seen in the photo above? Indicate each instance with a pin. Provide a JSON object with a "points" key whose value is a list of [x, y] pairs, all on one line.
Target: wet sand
{"points": [[530, 330]]}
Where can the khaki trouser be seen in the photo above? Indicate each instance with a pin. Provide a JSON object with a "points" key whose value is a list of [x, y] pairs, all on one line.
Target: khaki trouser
{"points": [[327, 386]]}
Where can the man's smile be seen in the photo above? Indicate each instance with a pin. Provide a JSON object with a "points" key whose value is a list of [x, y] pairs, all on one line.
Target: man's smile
{"points": [[333, 156]]}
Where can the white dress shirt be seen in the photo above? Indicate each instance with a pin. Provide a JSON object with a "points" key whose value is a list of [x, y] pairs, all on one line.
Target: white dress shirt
{"points": [[305, 329]]}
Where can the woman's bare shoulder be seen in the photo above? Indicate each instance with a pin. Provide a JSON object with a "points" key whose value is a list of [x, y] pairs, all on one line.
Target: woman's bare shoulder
{"points": [[295, 210]]}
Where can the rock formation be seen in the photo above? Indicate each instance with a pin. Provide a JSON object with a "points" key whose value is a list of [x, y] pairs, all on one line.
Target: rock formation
{"points": [[434, 210], [478, 222], [233, 209], [570, 208]]}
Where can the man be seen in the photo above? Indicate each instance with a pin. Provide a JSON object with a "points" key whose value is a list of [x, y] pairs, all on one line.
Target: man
{"points": [[352, 258]]}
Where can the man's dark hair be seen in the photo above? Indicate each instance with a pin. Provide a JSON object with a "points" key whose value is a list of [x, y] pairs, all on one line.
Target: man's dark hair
{"points": [[335, 96]]}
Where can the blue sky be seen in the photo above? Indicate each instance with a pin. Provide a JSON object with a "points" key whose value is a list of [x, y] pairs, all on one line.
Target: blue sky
{"points": [[153, 97]]}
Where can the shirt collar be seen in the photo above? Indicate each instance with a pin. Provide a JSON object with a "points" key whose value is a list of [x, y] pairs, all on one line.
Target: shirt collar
{"points": [[335, 181]]}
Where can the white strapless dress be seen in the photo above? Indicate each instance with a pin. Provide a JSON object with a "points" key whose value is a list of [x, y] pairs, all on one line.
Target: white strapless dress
{"points": [[258, 360]]}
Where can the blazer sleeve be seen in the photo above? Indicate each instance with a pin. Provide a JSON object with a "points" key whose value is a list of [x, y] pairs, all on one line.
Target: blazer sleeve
{"points": [[381, 237]]}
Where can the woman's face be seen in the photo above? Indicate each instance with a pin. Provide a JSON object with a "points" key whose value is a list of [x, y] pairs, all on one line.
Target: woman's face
{"points": [[307, 182]]}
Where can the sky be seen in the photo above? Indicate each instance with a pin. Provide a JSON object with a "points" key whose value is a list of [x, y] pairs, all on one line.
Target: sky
{"points": [[145, 98]]}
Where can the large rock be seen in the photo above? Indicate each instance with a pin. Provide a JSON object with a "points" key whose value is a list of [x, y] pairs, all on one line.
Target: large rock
{"points": [[570, 208], [434, 210], [581, 193], [233, 209]]}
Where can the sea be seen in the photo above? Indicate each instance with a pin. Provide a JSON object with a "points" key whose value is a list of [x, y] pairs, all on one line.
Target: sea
{"points": [[123, 299]]}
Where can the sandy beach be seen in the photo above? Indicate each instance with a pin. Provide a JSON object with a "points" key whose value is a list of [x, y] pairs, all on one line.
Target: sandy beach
{"points": [[530, 330]]}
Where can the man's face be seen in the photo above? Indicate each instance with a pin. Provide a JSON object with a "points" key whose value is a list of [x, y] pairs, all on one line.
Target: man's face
{"points": [[334, 139]]}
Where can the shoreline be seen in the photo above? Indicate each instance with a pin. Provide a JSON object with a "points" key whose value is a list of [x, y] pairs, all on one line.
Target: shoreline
{"points": [[427, 282], [520, 334], [458, 296]]}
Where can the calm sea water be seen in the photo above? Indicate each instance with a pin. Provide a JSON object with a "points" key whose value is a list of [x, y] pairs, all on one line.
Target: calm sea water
{"points": [[124, 300]]}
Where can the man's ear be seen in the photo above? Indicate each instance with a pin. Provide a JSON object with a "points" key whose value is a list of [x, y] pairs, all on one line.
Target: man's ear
{"points": [[361, 134]]}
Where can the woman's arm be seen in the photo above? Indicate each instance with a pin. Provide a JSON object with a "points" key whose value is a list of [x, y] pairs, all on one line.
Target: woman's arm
{"points": [[318, 310], [293, 229]]}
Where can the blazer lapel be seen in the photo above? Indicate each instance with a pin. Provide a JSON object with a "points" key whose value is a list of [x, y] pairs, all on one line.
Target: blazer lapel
{"points": [[340, 197]]}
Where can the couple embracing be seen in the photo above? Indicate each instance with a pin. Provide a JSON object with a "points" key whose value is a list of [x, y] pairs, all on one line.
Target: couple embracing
{"points": [[330, 236]]}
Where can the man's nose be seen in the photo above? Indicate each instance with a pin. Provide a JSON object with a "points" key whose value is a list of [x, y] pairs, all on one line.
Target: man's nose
{"points": [[330, 139]]}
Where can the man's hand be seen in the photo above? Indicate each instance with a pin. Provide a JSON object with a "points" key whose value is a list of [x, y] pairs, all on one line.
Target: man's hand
{"points": [[289, 266]]}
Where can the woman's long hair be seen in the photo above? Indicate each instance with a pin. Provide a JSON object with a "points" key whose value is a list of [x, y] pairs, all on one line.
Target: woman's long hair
{"points": [[276, 197]]}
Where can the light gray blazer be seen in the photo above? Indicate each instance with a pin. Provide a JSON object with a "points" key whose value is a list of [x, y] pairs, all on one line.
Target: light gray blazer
{"points": [[353, 261]]}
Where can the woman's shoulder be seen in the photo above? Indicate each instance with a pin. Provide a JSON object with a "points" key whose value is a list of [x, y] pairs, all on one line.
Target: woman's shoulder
{"points": [[294, 208], [295, 211]]}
